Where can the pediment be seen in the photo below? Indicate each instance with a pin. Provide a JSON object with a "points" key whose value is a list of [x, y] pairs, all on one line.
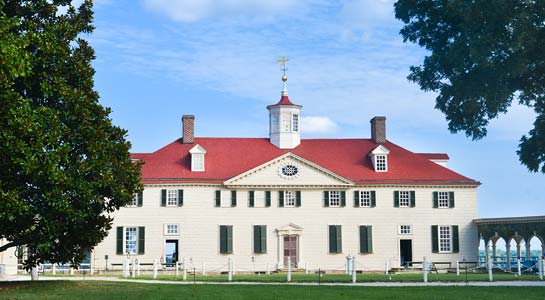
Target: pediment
{"points": [[289, 228], [380, 150], [289, 170]]}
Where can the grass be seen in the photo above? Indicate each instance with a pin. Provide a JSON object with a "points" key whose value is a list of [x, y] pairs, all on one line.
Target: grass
{"points": [[92, 290], [300, 277]]}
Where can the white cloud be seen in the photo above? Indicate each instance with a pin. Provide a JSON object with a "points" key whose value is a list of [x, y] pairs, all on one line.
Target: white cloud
{"points": [[317, 125], [195, 10]]}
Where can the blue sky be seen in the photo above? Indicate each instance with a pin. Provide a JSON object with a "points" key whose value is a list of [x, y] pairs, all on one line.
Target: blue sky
{"points": [[159, 59]]}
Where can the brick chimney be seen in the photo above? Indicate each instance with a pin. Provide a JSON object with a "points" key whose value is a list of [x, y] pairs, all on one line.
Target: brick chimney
{"points": [[188, 129], [378, 129]]}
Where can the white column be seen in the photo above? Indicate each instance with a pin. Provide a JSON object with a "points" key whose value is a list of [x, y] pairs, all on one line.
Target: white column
{"points": [[387, 267], [353, 269], [425, 269], [229, 270], [184, 269], [528, 253], [490, 278], [457, 268], [154, 268], [71, 270], [540, 267], [53, 269], [518, 267], [34, 273], [518, 250], [306, 268], [233, 266], [494, 257], [289, 268], [203, 269], [268, 269], [278, 252]]}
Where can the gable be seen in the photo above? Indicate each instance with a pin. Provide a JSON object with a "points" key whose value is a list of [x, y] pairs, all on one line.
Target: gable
{"points": [[288, 170]]}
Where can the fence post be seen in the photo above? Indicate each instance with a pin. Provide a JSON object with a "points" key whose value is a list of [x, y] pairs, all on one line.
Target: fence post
{"points": [[306, 267], [203, 273], [353, 269], [133, 268], [155, 269], [519, 267], [233, 266], [71, 270], [230, 269], [268, 269], [137, 267], [177, 269], [387, 267], [490, 278], [289, 268], [184, 270], [125, 263], [457, 268], [425, 269], [540, 267], [53, 269]]}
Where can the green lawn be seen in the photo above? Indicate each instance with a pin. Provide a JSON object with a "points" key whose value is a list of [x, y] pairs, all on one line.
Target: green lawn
{"points": [[298, 277], [91, 290]]}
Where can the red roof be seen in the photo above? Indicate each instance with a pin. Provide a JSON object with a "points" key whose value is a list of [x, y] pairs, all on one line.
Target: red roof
{"points": [[229, 157], [438, 156], [284, 101]]}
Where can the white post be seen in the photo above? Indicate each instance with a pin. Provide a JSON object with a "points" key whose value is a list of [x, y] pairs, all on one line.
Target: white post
{"points": [[353, 269], [268, 269], [289, 268], [133, 268], [177, 269], [490, 278], [540, 267], [53, 269], [306, 268], [519, 267], [457, 268], [71, 270], [387, 267], [138, 267], [230, 269], [34, 273], [233, 266], [155, 269], [125, 271], [425, 269], [184, 269], [203, 273]]}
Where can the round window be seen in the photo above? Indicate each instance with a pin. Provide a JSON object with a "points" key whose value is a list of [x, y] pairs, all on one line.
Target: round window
{"points": [[289, 170]]}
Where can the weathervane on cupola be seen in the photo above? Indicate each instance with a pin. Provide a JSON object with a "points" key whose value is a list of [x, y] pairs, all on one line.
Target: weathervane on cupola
{"points": [[284, 121]]}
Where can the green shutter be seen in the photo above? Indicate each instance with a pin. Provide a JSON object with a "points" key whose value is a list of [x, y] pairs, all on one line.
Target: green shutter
{"points": [[413, 198], [233, 198], [230, 239], [455, 239], [435, 199], [180, 197], [257, 239], [218, 198], [251, 201], [298, 198], [163, 197], [281, 199], [356, 198], [141, 240], [451, 199], [119, 246], [263, 239], [140, 198], [434, 239], [396, 198], [373, 199], [343, 198], [366, 239], [326, 198], [267, 198], [332, 239], [338, 237]]}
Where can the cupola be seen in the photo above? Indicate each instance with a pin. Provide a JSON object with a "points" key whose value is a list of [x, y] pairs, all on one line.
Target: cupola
{"points": [[285, 118]]}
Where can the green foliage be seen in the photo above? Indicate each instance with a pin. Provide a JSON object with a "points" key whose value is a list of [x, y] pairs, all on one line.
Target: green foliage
{"points": [[482, 55], [64, 168]]}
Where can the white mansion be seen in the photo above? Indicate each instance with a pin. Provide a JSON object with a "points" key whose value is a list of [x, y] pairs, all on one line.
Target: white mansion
{"points": [[262, 200]]}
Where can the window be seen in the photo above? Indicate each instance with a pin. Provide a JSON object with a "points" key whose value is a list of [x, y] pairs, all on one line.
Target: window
{"points": [[365, 199], [260, 239], [172, 197], [274, 123], [197, 162], [171, 229], [445, 239], [443, 200], [130, 240], [226, 239], [289, 199], [295, 122], [334, 198], [366, 239], [380, 163], [134, 201], [404, 199], [405, 229], [335, 239]]}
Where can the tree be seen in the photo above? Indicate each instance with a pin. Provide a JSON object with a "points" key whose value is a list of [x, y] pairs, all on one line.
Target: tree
{"points": [[64, 168], [482, 56]]}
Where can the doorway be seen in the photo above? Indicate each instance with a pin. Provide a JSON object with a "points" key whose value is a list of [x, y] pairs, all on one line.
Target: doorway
{"points": [[406, 252], [171, 252], [290, 250]]}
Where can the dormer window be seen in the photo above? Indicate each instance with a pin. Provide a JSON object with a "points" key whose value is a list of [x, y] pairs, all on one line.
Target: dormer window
{"points": [[379, 158], [197, 158]]}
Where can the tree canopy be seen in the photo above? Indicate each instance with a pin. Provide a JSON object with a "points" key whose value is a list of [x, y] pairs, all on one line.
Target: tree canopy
{"points": [[483, 55], [64, 167]]}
